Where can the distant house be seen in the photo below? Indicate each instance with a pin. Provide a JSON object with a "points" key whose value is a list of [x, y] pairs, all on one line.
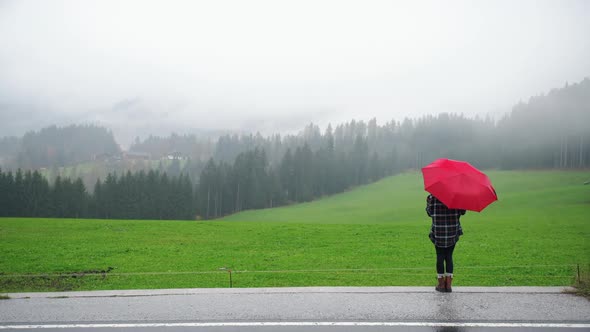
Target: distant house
{"points": [[175, 156]]}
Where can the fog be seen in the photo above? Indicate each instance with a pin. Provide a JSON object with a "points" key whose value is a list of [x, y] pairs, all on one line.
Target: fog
{"points": [[142, 67]]}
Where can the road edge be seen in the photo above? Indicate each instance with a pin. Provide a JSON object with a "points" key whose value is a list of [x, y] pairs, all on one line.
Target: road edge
{"points": [[279, 290]]}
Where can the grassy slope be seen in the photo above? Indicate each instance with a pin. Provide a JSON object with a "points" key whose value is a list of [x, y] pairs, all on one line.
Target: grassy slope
{"points": [[394, 199], [528, 195], [541, 219]]}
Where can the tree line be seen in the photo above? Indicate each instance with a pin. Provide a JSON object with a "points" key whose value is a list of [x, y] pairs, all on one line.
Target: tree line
{"points": [[29, 194], [151, 195], [250, 182]]}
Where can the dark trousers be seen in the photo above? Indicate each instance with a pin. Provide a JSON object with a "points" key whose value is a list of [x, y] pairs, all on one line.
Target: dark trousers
{"points": [[444, 256]]}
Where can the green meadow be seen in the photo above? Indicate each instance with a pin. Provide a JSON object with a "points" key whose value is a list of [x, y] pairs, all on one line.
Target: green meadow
{"points": [[375, 235]]}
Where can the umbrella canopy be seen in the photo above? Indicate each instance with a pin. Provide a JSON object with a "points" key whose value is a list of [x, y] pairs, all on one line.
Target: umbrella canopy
{"points": [[458, 185]]}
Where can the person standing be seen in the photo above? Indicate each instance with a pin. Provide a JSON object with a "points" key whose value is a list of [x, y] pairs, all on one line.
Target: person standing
{"points": [[444, 233]]}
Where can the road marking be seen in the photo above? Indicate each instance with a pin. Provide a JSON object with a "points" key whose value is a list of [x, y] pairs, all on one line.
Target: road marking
{"points": [[304, 324]]}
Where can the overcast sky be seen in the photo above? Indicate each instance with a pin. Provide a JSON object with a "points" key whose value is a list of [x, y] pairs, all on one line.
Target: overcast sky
{"points": [[158, 66]]}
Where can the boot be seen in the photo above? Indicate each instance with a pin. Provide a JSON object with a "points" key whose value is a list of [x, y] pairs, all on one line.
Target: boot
{"points": [[448, 282], [441, 285]]}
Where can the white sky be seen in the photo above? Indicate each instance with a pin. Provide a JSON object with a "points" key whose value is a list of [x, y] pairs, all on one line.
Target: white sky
{"points": [[277, 65]]}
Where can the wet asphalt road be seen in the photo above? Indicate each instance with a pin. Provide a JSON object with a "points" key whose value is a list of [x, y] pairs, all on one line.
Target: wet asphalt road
{"points": [[318, 329], [313, 329], [316, 304]]}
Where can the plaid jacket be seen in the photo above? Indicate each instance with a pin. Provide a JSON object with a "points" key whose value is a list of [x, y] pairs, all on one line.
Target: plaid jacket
{"points": [[446, 227]]}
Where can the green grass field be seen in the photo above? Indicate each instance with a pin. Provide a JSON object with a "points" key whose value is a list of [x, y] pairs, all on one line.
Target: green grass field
{"points": [[536, 234]]}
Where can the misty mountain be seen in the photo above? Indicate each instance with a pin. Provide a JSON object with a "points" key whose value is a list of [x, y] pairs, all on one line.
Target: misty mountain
{"points": [[549, 130], [61, 146]]}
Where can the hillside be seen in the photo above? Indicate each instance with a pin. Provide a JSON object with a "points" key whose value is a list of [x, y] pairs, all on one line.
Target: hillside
{"points": [[543, 195]]}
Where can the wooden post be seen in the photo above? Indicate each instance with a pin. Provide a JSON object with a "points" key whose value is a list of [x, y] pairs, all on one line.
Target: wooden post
{"points": [[208, 191]]}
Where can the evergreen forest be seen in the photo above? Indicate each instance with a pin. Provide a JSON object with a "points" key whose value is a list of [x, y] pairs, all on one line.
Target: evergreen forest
{"points": [[241, 172]]}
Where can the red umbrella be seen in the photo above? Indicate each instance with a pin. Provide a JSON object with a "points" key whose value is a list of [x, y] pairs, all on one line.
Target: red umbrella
{"points": [[458, 185]]}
